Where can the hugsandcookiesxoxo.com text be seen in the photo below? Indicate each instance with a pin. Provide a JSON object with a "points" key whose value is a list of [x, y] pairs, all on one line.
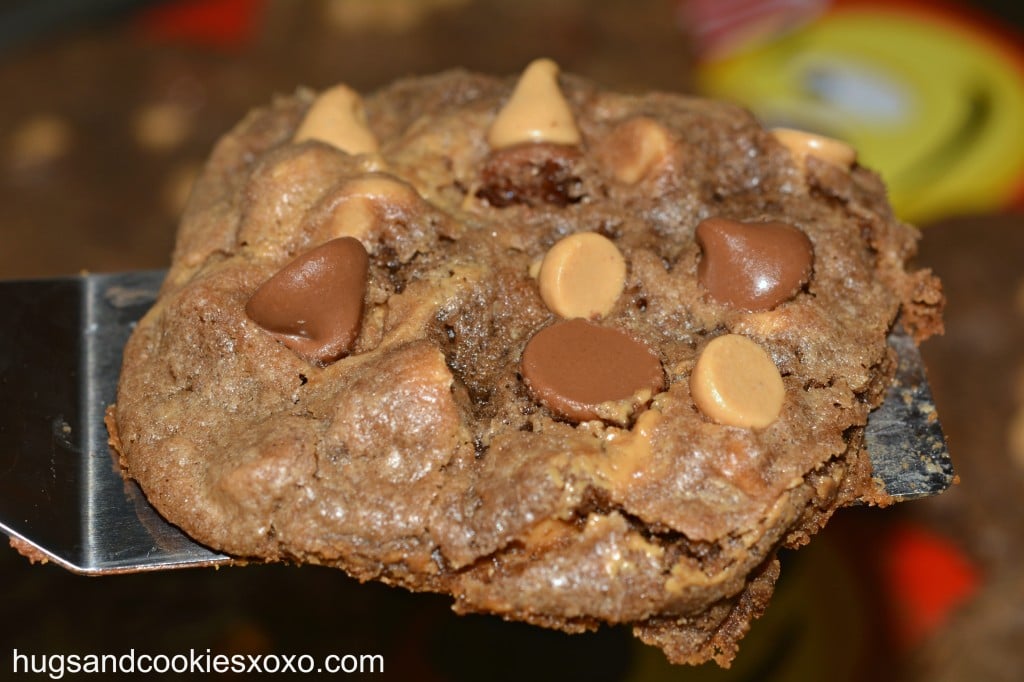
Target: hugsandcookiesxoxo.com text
{"points": [[57, 665]]}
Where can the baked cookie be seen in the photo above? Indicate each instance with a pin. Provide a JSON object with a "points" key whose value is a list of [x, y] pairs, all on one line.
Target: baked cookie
{"points": [[571, 356]]}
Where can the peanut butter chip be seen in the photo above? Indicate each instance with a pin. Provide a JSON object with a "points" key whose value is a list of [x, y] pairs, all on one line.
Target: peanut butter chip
{"points": [[365, 200], [736, 383], [803, 144], [635, 148], [536, 112], [753, 266], [314, 305], [337, 118], [573, 366], [582, 275]]}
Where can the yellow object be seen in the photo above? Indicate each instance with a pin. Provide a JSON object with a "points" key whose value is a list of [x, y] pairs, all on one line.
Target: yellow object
{"points": [[936, 107]]}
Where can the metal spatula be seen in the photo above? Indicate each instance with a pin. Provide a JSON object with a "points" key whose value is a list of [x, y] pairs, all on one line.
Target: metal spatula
{"points": [[62, 496]]}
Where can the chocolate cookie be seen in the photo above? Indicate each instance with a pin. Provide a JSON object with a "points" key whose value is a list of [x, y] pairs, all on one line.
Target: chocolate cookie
{"points": [[571, 356]]}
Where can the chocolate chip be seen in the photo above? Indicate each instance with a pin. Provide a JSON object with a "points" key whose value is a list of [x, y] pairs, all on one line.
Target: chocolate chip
{"points": [[314, 304], [573, 366], [753, 266]]}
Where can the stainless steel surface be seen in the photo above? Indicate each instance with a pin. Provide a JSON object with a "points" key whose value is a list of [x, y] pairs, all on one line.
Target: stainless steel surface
{"points": [[60, 487], [903, 437]]}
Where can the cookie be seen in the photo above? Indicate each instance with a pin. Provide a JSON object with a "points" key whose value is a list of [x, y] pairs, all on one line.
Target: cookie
{"points": [[571, 356]]}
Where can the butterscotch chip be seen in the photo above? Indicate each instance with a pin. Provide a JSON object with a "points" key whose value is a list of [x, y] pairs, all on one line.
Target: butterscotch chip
{"points": [[536, 111], [314, 305], [473, 443], [753, 266], [803, 144], [582, 275], [574, 366], [337, 118], [736, 383]]}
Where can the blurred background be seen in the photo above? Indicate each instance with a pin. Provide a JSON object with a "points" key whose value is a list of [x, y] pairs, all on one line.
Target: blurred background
{"points": [[110, 107]]}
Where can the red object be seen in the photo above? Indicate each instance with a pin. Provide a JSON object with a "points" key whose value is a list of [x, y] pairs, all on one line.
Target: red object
{"points": [[720, 26], [927, 577], [218, 23]]}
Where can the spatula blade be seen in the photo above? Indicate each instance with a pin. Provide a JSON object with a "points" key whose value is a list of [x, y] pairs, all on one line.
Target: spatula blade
{"points": [[61, 492]]}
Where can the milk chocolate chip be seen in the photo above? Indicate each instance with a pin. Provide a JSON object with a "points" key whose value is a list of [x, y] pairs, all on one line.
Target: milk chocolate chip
{"points": [[314, 304], [753, 266], [574, 366]]}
